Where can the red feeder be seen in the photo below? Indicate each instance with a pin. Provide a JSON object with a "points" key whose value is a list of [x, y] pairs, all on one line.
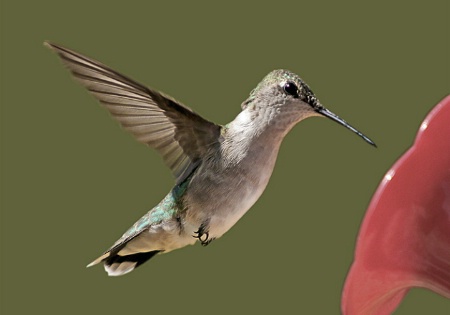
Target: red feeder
{"points": [[404, 240]]}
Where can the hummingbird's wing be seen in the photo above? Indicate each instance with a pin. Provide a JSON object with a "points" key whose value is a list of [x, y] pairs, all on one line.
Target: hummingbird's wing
{"points": [[174, 130]]}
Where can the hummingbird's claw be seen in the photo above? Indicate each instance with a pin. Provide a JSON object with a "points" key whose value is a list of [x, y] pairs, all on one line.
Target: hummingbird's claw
{"points": [[202, 234]]}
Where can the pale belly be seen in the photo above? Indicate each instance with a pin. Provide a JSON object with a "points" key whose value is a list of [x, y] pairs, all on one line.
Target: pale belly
{"points": [[221, 203], [223, 219]]}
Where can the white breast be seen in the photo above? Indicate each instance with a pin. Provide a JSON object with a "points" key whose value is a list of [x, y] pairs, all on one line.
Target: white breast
{"points": [[228, 184], [236, 206]]}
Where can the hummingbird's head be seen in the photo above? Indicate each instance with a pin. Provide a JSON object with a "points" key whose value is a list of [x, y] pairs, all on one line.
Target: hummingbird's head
{"points": [[288, 99]]}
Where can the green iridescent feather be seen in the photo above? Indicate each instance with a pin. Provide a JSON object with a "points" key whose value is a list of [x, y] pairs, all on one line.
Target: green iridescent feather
{"points": [[168, 208]]}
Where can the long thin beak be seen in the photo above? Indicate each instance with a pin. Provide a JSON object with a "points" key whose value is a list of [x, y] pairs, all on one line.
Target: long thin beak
{"points": [[322, 110]]}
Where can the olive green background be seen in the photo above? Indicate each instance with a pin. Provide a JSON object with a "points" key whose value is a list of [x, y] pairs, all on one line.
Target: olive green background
{"points": [[73, 181]]}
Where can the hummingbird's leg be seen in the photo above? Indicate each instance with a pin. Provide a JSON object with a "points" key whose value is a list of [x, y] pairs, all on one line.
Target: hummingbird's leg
{"points": [[202, 234]]}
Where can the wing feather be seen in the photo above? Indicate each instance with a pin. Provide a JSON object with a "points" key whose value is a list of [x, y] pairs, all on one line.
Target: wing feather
{"points": [[180, 135]]}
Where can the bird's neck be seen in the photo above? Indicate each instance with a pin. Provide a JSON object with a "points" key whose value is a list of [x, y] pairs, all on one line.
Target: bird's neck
{"points": [[252, 138]]}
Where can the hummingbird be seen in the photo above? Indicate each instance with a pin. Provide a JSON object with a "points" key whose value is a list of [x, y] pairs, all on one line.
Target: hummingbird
{"points": [[220, 171]]}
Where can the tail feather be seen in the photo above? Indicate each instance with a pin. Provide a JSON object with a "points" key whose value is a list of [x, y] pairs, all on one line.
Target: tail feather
{"points": [[116, 265], [118, 269]]}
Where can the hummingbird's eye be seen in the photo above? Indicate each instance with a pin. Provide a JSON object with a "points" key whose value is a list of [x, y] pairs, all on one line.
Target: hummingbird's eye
{"points": [[291, 89]]}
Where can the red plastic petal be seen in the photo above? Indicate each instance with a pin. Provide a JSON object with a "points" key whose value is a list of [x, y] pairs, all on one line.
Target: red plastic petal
{"points": [[404, 240]]}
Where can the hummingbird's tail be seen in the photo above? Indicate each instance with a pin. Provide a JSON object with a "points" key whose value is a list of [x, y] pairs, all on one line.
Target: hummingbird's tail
{"points": [[117, 265]]}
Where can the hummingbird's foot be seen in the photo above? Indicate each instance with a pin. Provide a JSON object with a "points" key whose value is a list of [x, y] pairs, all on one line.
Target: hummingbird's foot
{"points": [[207, 241], [203, 235]]}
